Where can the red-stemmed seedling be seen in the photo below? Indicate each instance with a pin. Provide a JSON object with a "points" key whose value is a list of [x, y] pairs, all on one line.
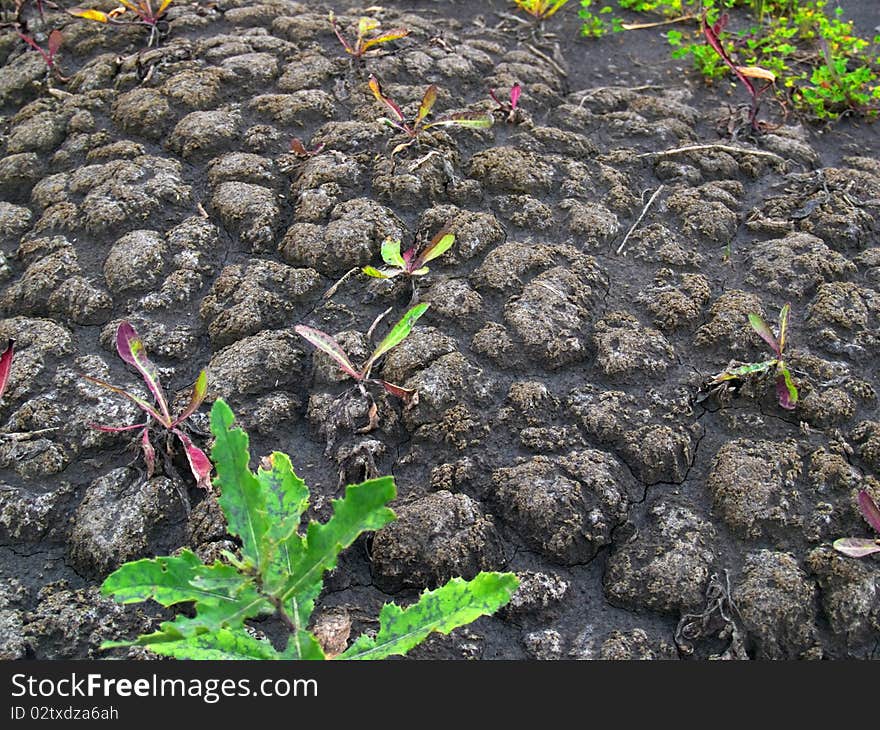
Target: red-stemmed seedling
{"points": [[143, 9], [363, 44], [745, 74], [508, 109], [412, 129], [131, 350], [786, 391], [362, 376], [859, 547], [53, 45], [412, 261], [298, 147]]}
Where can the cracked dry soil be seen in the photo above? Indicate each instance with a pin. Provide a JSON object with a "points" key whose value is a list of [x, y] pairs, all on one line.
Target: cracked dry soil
{"points": [[558, 432]]}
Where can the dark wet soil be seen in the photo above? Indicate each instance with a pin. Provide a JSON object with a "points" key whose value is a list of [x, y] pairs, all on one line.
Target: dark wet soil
{"points": [[562, 430]]}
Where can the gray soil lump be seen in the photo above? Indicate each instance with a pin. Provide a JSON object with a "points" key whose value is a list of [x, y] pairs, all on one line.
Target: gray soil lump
{"points": [[435, 538]]}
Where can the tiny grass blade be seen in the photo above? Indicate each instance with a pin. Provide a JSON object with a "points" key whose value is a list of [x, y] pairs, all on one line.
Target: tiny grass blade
{"points": [[325, 343]]}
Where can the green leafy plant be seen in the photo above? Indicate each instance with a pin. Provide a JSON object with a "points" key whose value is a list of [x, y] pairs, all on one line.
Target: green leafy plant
{"points": [[858, 547], [362, 43], [131, 349], [540, 9], [6, 365], [280, 569], [410, 262], [786, 391], [143, 9], [412, 129], [328, 345]]}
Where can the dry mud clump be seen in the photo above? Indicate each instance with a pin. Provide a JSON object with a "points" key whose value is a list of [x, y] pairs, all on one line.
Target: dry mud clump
{"points": [[562, 430]]}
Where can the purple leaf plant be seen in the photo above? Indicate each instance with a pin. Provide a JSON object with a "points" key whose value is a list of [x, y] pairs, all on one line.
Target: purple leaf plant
{"points": [[158, 415]]}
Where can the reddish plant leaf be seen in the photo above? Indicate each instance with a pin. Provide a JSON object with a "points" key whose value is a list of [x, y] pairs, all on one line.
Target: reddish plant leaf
{"points": [[131, 349], [376, 88], [56, 38], [6, 364], [199, 391], [408, 396], [439, 245], [786, 391], [199, 464], [428, 101], [515, 92], [149, 453], [712, 34], [325, 343], [856, 547], [763, 329], [139, 402], [870, 511]]}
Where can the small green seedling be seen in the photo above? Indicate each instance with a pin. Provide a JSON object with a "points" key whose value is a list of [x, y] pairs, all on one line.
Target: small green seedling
{"points": [[418, 125], [143, 9], [280, 571], [326, 344], [131, 349], [786, 390], [363, 44], [858, 547], [6, 365], [540, 9], [410, 263]]}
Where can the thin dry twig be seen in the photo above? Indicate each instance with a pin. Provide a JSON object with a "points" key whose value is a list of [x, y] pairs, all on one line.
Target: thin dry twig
{"points": [[592, 92], [332, 290], [26, 435], [639, 219], [639, 26], [376, 322], [717, 147], [540, 54]]}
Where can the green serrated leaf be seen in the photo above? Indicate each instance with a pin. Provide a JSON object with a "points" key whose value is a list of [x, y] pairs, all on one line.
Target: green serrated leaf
{"points": [[242, 499], [287, 497], [455, 604], [223, 596], [303, 646], [361, 510], [222, 644]]}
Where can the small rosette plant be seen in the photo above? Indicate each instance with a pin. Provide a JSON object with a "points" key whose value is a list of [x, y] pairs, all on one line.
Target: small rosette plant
{"points": [[362, 376], [786, 390], [412, 129], [131, 349], [410, 262], [363, 43]]}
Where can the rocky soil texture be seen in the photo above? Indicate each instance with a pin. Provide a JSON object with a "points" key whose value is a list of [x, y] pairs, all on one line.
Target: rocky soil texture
{"points": [[562, 429]]}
